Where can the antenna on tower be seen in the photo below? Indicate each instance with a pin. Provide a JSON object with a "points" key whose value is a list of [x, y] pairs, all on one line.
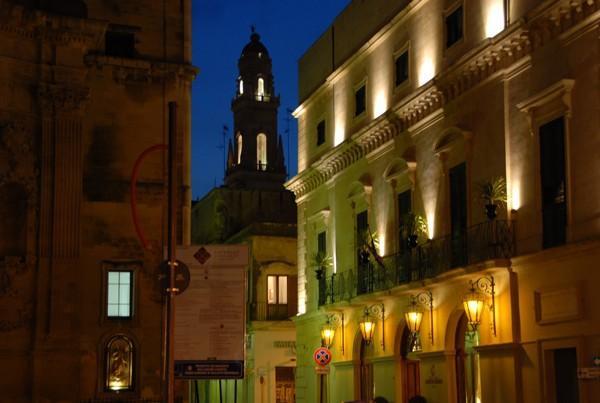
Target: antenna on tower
{"points": [[224, 147], [288, 119]]}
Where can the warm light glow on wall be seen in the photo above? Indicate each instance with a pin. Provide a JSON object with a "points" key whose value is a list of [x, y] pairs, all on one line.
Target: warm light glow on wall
{"points": [[494, 18], [431, 223], [515, 197], [340, 132], [381, 248], [380, 103], [426, 70]]}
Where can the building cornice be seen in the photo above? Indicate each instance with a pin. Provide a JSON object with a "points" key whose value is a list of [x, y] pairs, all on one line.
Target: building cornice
{"points": [[39, 25], [492, 57], [143, 71]]}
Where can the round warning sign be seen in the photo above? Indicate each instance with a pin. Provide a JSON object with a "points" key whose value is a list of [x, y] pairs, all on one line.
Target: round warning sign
{"points": [[322, 356]]}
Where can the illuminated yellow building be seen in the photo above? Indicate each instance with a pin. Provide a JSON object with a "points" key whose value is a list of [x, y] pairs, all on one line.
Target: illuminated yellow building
{"points": [[416, 118]]}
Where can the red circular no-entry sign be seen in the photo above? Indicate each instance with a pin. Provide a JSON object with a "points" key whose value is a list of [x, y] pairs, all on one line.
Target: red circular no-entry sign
{"points": [[322, 356]]}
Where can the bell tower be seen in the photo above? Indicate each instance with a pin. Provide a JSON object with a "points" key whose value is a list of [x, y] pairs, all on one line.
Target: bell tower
{"points": [[255, 157]]}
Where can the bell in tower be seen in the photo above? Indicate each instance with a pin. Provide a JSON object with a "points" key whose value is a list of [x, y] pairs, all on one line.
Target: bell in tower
{"points": [[256, 155]]}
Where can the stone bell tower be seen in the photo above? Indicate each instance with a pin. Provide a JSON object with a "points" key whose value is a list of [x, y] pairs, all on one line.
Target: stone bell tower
{"points": [[255, 158]]}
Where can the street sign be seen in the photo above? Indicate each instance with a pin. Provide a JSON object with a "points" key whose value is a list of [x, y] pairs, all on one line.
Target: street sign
{"points": [[182, 276], [322, 356], [319, 370], [210, 318]]}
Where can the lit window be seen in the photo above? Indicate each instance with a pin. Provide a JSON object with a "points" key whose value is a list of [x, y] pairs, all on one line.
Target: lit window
{"points": [[277, 290], [119, 294], [119, 364], [261, 152], [239, 148], [241, 86], [360, 98], [261, 88], [321, 133], [402, 68], [454, 27]]}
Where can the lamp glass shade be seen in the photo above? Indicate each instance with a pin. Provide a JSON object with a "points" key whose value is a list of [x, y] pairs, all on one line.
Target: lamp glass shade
{"points": [[367, 328], [473, 304], [413, 320], [327, 335]]}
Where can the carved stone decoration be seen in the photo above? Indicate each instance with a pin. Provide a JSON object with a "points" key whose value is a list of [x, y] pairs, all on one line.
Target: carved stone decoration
{"points": [[17, 157], [60, 98]]}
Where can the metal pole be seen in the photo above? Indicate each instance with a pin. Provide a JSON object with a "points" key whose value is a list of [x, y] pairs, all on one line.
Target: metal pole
{"points": [[171, 251], [321, 389]]}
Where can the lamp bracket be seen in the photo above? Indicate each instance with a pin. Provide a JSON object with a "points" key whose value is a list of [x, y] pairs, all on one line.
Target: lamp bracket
{"points": [[487, 285], [335, 319], [425, 298], [376, 310]]}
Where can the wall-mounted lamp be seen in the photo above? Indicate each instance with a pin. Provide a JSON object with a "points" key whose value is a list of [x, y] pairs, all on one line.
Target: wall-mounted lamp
{"points": [[367, 324], [332, 322], [414, 317], [474, 301]]}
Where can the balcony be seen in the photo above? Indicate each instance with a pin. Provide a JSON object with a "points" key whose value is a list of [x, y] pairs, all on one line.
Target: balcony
{"points": [[269, 312], [486, 241]]}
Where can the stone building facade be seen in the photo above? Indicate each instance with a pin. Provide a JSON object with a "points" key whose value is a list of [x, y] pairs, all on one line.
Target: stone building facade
{"points": [[411, 107], [253, 207], [84, 91]]}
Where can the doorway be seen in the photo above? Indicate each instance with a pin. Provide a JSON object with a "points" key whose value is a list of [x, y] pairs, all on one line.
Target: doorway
{"points": [[285, 386], [409, 369], [466, 363], [365, 372]]}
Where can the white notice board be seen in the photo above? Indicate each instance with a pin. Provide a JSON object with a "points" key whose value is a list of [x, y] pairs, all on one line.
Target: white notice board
{"points": [[210, 316]]}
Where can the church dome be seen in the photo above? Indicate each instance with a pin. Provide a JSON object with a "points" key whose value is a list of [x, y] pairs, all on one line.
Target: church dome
{"points": [[255, 47]]}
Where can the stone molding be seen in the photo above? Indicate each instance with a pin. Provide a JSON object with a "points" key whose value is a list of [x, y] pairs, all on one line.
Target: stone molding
{"points": [[38, 25], [142, 71], [492, 57], [59, 98]]}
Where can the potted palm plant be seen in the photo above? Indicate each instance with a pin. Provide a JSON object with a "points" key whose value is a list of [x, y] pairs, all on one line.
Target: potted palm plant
{"points": [[493, 194], [321, 262], [413, 226]]}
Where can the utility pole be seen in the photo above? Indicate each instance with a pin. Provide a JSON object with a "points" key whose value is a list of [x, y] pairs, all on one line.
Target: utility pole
{"points": [[171, 254]]}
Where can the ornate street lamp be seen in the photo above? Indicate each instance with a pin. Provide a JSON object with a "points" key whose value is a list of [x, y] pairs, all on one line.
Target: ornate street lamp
{"points": [[474, 301], [332, 322], [367, 324], [414, 317], [327, 334]]}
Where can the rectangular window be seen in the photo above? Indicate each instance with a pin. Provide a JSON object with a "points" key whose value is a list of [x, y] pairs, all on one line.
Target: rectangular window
{"points": [[321, 133], [277, 289], [402, 68], [454, 26], [404, 208], [119, 294], [120, 43], [360, 100], [553, 181], [322, 242], [458, 214]]}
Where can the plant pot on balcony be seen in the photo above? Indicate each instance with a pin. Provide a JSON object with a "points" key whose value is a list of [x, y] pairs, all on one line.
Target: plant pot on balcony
{"points": [[490, 211], [411, 241]]}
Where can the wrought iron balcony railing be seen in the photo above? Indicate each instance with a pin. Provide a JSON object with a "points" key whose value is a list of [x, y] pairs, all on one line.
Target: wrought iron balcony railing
{"points": [[486, 241], [269, 312]]}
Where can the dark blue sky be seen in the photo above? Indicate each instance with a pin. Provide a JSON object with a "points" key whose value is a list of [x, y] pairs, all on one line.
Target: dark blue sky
{"points": [[221, 28]]}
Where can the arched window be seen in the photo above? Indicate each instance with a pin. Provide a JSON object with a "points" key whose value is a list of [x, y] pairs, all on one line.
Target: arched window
{"points": [[260, 92], [241, 89], [261, 152], [119, 363], [239, 148]]}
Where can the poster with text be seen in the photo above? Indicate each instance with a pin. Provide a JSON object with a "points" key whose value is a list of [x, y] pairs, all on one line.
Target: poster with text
{"points": [[210, 315]]}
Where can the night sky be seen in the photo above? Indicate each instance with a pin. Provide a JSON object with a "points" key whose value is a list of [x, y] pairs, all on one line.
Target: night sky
{"points": [[221, 29]]}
